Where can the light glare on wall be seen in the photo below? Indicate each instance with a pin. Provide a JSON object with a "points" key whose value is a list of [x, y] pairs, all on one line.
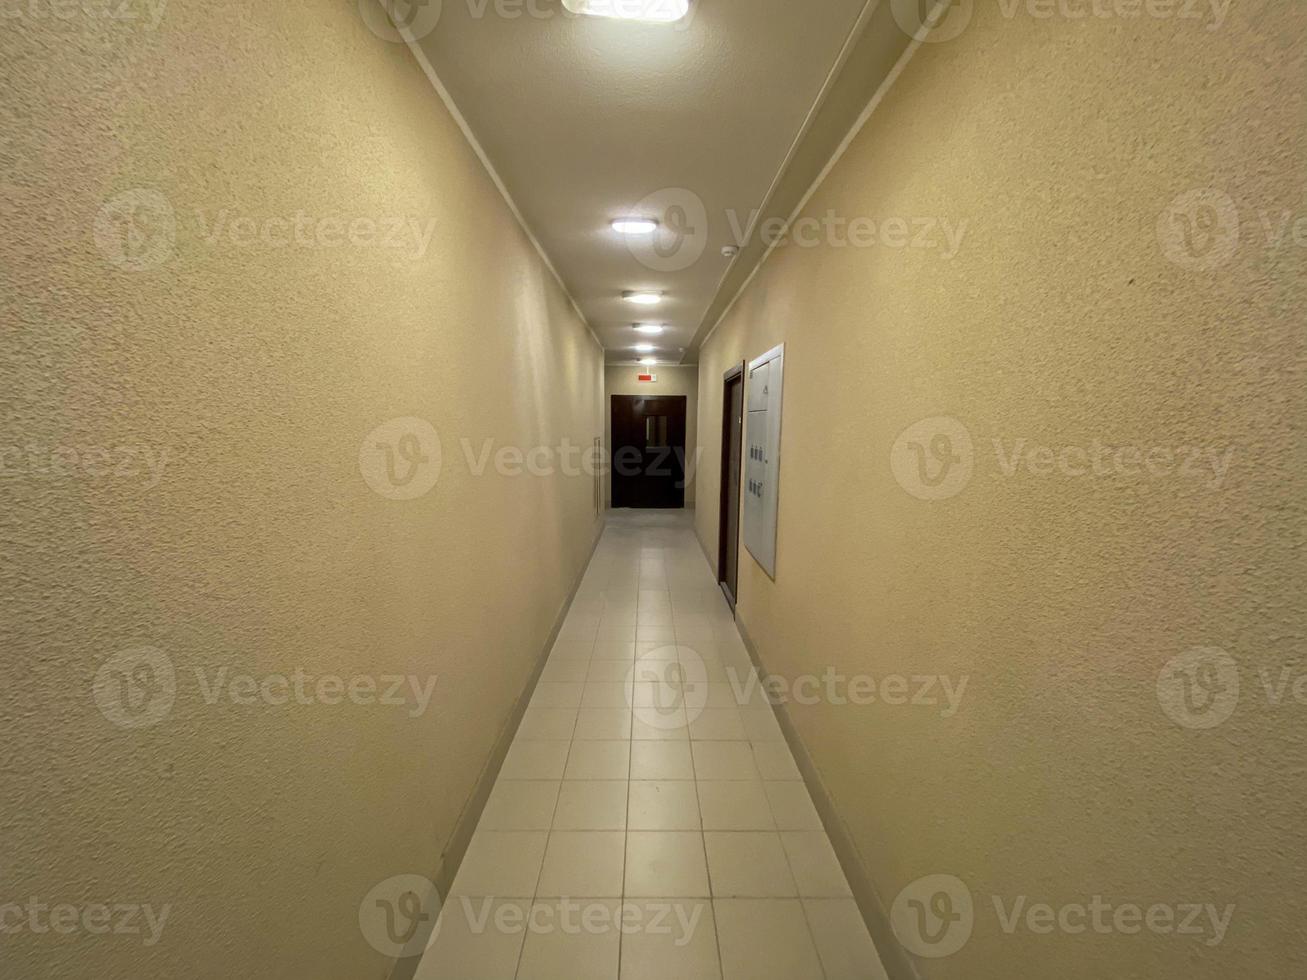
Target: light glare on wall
{"points": [[649, 11]]}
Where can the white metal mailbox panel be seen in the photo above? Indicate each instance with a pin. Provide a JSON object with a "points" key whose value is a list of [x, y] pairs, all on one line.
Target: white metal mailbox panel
{"points": [[762, 457], [758, 390]]}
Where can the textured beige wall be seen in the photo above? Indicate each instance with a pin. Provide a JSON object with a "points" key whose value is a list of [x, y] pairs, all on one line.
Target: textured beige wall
{"points": [[1059, 597], [621, 380], [259, 370]]}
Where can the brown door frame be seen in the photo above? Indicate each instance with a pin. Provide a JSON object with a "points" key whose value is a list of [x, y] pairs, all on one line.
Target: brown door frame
{"points": [[725, 503]]}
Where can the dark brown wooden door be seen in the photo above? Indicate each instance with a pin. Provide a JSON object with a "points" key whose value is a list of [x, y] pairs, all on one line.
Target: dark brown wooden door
{"points": [[649, 451], [728, 551]]}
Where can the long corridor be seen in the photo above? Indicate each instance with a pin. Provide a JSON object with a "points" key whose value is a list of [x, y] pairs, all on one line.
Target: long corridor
{"points": [[650, 820], [387, 385]]}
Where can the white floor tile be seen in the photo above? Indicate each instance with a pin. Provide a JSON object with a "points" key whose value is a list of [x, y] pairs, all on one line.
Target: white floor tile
{"points": [[661, 760], [724, 695], [718, 724], [775, 761], [792, 807], [520, 805], [609, 672], [658, 724], [583, 863], [663, 635], [659, 862], [562, 671], [560, 947], [655, 616], [760, 724], [501, 864], [680, 943], [845, 948], [657, 653], [603, 724], [549, 695], [724, 760], [529, 759], [599, 760], [814, 864], [748, 865], [623, 650], [663, 805], [591, 805], [734, 805], [618, 617], [569, 647], [470, 943], [547, 723], [765, 939]]}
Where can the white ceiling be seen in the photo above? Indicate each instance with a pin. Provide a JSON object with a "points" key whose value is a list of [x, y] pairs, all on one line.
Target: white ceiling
{"points": [[586, 119]]}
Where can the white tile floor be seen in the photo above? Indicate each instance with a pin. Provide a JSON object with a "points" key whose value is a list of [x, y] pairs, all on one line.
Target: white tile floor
{"points": [[649, 821]]}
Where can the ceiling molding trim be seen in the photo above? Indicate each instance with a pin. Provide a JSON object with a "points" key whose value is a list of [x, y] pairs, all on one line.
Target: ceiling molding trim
{"points": [[876, 99], [859, 25], [429, 70]]}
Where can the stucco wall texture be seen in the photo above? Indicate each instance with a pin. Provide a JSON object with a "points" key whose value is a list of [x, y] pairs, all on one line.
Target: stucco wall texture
{"points": [[672, 380], [254, 361], [1058, 594]]}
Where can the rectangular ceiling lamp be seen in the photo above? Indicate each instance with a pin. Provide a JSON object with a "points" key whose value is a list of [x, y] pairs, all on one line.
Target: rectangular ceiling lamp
{"points": [[649, 11]]}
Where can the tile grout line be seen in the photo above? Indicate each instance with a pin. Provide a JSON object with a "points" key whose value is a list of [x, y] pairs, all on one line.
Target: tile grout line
{"points": [[549, 834], [803, 908], [693, 609], [798, 891], [694, 772], [626, 822], [703, 843]]}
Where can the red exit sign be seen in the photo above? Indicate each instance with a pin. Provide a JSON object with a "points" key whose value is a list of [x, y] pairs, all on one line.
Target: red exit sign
{"points": [[647, 378]]}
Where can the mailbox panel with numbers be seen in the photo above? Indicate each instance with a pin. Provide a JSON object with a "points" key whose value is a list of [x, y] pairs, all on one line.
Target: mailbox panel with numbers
{"points": [[762, 456]]}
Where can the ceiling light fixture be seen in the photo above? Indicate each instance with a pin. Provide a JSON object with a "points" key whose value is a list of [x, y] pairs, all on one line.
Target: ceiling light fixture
{"points": [[650, 11], [642, 297], [635, 226], [648, 360], [644, 348], [650, 328]]}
